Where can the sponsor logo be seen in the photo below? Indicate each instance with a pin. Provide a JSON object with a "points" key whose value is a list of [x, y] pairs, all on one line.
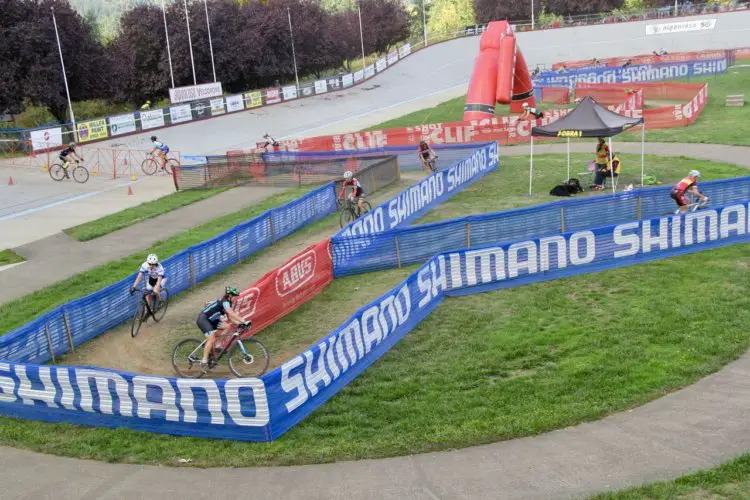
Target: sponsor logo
{"points": [[569, 133], [296, 273], [46, 136], [247, 302]]}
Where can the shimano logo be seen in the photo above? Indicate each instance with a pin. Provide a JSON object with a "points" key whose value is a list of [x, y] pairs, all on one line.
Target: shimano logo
{"points": [[295, 273]]}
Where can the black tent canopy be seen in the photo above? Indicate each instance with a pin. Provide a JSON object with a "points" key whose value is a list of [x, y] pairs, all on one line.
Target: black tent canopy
{"points": [[588, 119]]}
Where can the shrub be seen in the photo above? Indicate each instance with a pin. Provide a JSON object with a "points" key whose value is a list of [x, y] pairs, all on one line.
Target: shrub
{"points": [[33, 116], [97, 108]]}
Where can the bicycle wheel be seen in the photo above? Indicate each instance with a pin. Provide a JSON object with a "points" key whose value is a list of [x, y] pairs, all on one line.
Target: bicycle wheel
{"points": [[57, 172], [171, 165], [137, 319], [80, 175], [186, 358], [367, 208], [251, 363], [149, 166], [345, 217], [161, 305]]}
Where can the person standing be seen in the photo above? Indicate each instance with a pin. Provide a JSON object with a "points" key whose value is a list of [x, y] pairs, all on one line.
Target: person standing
{"points": [[602, 160]]}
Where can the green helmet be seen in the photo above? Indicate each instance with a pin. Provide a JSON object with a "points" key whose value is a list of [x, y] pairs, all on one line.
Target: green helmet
{"points": [[230, 290]]}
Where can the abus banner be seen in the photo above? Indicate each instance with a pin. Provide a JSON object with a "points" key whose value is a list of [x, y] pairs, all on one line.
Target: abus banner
{"points": [[48, 138], [123, 124], [193, 92], [180, 114], [151, 119]]}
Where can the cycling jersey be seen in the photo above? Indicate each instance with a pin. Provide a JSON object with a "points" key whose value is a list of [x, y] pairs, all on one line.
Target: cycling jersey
{"points": [[155, 273], [356, 188], [216, 309], [685, 184], [161, 146], [537, 114], [425, 151], [65, 152]]}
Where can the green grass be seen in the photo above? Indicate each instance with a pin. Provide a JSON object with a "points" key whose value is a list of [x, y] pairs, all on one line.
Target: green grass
{"points": [[9, 257], [730, 481], [481, 368], [19, 312], [144, 211], [716, 125]]}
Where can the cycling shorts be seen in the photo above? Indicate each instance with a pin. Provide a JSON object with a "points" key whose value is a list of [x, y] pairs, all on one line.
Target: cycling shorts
{"points": [[152, 282], [680, 198], [206, 325], [359, 191], [164, 150]]}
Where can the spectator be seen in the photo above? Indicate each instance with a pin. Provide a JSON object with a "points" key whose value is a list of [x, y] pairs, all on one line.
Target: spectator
{"points": [[602, 159], [528, 112], [628, 63], [563, 69], [146, 105], [601, 175], [276, 83]]}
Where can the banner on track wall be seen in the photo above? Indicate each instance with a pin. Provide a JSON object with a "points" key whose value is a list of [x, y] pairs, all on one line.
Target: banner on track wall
{"points": [[272, 96], [359, 75], [392, 57], [217, 107], [122, 124], [201, 109], [370, 71], [48, 138], [151, 119], [321, 87], [655, 59], [680, 27], [306, 89], [254, 99], [180, 114], [334, 83], [235, 103], [381, 64], [93, 130], [195, 92], [347, 80], [404, 51], [290, 93]]}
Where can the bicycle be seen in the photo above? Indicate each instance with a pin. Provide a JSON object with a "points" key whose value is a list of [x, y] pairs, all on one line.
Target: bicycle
{"points": [[59, 172], [143, 310], [152, 164], [247, 357], [430, 165], [350, 211], [696, 203]]}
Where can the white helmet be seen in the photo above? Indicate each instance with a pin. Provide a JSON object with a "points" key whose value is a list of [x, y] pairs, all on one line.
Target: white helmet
{"points": [[152, 259], [348, 175], [694, 173], [525, 105]]}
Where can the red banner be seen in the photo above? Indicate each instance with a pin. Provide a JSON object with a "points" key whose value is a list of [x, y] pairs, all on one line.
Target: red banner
{"points": [[287, 287], [654, 59]]}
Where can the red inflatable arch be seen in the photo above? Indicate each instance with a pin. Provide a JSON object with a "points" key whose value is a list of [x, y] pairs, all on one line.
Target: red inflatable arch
{"points": [[500, 74]]}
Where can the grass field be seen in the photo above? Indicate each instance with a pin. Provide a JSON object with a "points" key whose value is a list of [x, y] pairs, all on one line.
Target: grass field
{"points": [[716, 125], [19, 312], [730, 481], [9, 257], [144, 211], [481, 368]]}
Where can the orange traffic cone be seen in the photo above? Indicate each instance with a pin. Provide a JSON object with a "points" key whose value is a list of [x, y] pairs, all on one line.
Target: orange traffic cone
{"points": [[130, 191], [10, 181]]}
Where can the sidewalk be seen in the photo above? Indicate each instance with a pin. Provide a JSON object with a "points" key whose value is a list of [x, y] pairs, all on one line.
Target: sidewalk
{"points": [[58, 257]]}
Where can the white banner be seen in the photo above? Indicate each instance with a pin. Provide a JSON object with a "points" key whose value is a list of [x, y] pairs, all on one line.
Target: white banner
{"points": [[289, 93], [680, 27], [359, 75], [217, 107], [46, 139], [404, 51], [380, 65], [185, 94], [347, 80], [179, 114], [392, 57], [152, 119], [321, 87], [370, 70], [123, 124], [235, 103]]}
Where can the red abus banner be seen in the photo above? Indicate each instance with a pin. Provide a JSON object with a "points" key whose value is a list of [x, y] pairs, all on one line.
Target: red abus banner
{"points": [[654, 59], [287, 287]]}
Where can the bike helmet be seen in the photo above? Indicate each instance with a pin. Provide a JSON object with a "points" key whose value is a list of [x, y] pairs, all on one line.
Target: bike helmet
{"points": [[153, 137], [72, 145], [230, 290], [348, 175], [525, 105], [152, 259], [694, 173]]}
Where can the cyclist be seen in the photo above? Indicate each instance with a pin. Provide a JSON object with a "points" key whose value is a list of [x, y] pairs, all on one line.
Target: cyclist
{"points": [[270, 141], [65, 153], [162, 149], [425, 155], [357, 191], [687, 185], [218, 316], [156, 278], [529, 111]]}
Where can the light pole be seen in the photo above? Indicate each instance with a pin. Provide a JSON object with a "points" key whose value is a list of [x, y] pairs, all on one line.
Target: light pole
{"points": [[361, 36], [532, 15], [210, 43], [190, 42], [424, 22], [65, 77], [294, 54], [169, 51]]}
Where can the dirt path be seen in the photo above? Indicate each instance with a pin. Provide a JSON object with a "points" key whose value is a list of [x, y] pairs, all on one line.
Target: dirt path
{"points": [[150, 352]]}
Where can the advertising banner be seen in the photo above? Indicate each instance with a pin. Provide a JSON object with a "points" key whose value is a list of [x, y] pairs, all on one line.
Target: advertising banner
{"points": [[334, 83], [359, 75], [201, 109], [217, 107], [272, 96], [235, 103], [347, 80], [123, 124], [254, 99], [93, 130], [194, 92], [651, 59], [392, 57], [370, 71], [380, 65], [404, 51], [151, 119], [306, 89], [680, 27], [180, 114], [290, 93], [321, 87], [48, 138]]}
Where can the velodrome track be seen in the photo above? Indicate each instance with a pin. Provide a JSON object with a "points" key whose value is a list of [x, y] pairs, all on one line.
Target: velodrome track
{"points": [[693, 428]]}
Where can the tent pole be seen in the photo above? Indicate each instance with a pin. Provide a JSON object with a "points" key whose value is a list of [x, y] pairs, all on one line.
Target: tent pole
{"points": [[643, 150], [531, 164], [611, 167], [568, 158]]}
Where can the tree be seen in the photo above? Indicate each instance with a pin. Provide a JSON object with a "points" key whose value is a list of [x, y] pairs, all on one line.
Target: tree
{"points": [[492, 10], [450, 15], [576, 7], [385, 23]]}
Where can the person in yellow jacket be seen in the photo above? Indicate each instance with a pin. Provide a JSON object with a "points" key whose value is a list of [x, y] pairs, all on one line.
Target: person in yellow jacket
{"points": [[146, 105], [615, 167]]}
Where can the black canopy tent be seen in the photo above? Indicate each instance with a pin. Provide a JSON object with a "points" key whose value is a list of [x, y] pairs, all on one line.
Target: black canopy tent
{"points": [[588, 119]]}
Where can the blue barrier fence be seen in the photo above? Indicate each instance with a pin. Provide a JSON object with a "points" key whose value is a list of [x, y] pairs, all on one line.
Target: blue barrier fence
{"points": [[632, 74], [74, 323], [354, 254]]}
